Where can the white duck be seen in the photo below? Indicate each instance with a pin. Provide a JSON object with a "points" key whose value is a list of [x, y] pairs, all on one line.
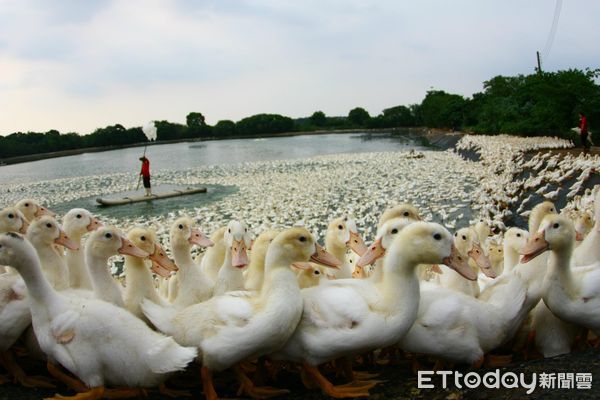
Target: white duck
{"points": [[194, 284], [76, 223], [237, 240], [139, 284], [404, 210], [255, 273], [31, 209], [15, 316], [588, 252], [342, 235], [213, 257], [44, 233], [239, 326], [571, 294], [345, 317], [96, 341]]}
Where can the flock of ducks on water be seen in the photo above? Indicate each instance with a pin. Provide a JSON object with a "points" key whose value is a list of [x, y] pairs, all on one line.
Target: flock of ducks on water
{"points": [[280, 300]]}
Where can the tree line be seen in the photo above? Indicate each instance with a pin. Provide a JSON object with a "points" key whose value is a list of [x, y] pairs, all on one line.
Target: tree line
{"points": [[544, 103]]}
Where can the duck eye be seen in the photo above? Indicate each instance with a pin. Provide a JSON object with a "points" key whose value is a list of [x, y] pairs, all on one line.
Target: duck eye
{"points": [[143, 238], [228, 230], [340, 227], [455, 234], [464, 237], [437, 236], [108, 235], [556, 225], [26, 204], [48, 225], [11, 216], [518, 235], [394, 231], [180, 226], [406, 213], [302, 238], [79, 216], [317, 273]]}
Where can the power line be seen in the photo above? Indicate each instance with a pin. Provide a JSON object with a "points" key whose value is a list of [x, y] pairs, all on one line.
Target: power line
{"points": [[553, 28]]}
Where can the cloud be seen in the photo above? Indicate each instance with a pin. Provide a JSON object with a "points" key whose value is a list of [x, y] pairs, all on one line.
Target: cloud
{"points": [[74, 65]]}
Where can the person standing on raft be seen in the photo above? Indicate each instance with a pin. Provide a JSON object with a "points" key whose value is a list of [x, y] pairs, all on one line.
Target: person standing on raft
{"points": [[145, 173]]}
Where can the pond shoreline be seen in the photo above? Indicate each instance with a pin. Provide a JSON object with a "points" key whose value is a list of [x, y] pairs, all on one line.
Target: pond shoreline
{"points": [[435, 137]]}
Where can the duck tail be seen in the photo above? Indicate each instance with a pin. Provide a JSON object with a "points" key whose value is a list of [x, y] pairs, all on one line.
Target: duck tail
{"points": [[161, 317], [168, 356]]}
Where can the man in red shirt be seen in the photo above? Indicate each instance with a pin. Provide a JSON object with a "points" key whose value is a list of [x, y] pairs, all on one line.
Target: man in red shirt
{"points": [[145, 173], [583, 134]]}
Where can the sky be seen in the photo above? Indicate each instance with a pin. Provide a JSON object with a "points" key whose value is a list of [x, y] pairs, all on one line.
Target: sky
{"points": [[75, 65]]}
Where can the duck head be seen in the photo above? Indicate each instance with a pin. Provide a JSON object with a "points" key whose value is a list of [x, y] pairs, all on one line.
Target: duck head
{"points": [[538, 213], [31, 209], [296, 246], [78, 221], [383, 240], [146, 240], [108, 241], [556, 233], [583, 225], [404, 210], [344, 230], [47, 231], [238, 240], [467, 243], [421, 243], [15, 250], [12, 220], [183, 232]]}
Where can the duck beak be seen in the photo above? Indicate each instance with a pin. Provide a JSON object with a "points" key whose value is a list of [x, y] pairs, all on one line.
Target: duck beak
{"points": [[374, 252], [94, 224], [199, 238], [460, 264], [24, 226], [321, 256], [128, 248], [41, 211], [536, 245], [251, 244], [161, 264], [436, 268], [357, 244], [239, 255], [579, 236], [64, 240], [483, 261], [302, 265]]}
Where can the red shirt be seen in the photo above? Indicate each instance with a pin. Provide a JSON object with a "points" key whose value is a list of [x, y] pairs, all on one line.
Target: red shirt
{"points": [[583, 124], [146, 168]]}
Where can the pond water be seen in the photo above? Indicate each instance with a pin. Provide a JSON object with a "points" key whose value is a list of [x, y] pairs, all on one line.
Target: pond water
{"points": [[187, 155]]}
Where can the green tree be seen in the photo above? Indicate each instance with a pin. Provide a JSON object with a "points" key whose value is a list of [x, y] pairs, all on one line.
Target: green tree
{"points": [[224, 128], [359, 117], [196, 125], [264, 123], [442, 110], [318, 118]]}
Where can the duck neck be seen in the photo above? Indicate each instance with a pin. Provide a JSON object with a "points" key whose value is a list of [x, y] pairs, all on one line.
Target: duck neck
{"points": [[39, 289], [213, 259], [138, 281], [511, 258], [399, 286], [78, 275], [53, 266], [105, 287], [338, 250], [559, 277], [183, 258], [280, 280], [230, 277]]}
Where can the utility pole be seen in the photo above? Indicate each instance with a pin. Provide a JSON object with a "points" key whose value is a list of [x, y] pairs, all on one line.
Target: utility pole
{"points": [[539, 68]]}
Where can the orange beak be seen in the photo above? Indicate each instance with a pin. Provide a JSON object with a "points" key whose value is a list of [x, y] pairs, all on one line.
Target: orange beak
{"points": [[128, 248], [579, 236], [41, 211], [357, 244], [459, 264], [199, 238], [161, 264], [24, 226], [321, 256], [64, 240], [239, 255], [374, 252], [536, 245], [483, 261], [94, 224]]}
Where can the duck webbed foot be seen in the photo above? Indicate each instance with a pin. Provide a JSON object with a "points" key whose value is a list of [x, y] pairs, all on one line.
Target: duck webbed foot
{"points": [[91, 394], [8, 362], [339, 392], [71, 382], [256, 392]]}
